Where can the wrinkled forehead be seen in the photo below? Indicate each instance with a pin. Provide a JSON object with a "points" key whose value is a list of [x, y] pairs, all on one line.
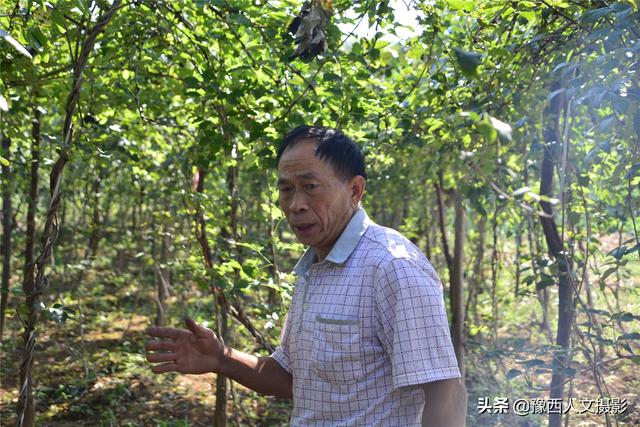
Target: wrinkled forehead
{"points": [[302, 158]]}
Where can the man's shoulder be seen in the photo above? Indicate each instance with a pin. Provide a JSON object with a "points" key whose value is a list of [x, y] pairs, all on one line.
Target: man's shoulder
{"points": [[394, 258], [390, 245]]}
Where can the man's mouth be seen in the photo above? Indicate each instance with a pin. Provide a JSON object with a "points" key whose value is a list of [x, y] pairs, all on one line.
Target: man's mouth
{"points": [[303, 227]]}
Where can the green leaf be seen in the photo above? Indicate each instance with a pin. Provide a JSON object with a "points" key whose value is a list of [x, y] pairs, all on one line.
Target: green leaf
{"points": [[468, 61], [621, 7], [252, 246], [38, 37], [629, 336], [626, 346], [332, 77], [606, 123], [465, 5], [240, 19], [618, 252], [627, 317], [534, 363], [632, 172], [60, 313], [23, 311], [545, 282], [513, 373], [634, 248], [4, 161], [550, 200], [529, 15], [593, 15], [487, 130], [608, 273], [556, 93], [233, 264], [619, 105], [13, 42], [503, 129], [57, 17]]}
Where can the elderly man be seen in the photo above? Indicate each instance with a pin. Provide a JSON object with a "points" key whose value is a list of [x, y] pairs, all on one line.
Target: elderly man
{"points": [[366, 341]]}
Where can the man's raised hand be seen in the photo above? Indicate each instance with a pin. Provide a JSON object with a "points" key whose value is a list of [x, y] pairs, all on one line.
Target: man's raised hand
{"points": [[195, 350]]}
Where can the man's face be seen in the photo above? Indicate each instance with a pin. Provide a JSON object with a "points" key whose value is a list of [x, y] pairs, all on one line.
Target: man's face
{"points": [[317, 203]]}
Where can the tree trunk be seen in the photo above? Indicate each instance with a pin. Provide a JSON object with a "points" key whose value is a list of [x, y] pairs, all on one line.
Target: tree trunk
{"points": [[494, 273], [426, 224], [457, 284], [6, 232], [456, 270], [232, 232], [542, 293], [516, 289], [220, 416], [534, 249], [443, 226], [271, 293], [28, 281], [561, 360], [163, 277], [94, 237], [476, 282], [25, 407]]}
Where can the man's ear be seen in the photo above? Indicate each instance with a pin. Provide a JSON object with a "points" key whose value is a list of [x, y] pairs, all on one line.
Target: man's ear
{"points": [[357, 184]]}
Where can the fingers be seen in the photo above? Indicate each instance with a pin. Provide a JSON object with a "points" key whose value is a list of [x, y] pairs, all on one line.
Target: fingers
{"points": [[164, 368], [171, 333], [161, 357], [198, 330], [160, 346]]}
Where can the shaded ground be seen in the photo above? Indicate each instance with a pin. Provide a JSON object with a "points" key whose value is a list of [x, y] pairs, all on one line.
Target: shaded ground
{"points": [[103, 379], [523, 347]]}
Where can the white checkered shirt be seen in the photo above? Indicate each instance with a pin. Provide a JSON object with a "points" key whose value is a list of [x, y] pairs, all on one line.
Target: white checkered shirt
{"points": [[366, 326]]}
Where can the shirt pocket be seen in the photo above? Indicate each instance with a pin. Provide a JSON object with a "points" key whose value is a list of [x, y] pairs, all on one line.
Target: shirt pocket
{"points": [[337, 356]]}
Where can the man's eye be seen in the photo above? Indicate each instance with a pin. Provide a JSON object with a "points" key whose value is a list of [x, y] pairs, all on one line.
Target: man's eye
{"points": [[285, 189], [311, 186]]}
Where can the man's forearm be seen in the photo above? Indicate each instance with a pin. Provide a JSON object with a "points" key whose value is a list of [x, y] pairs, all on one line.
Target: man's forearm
{"points": [[445, 404], [262, 374]]}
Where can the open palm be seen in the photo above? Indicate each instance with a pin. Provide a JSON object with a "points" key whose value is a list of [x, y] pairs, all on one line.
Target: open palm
{"points": [[195, 350]]}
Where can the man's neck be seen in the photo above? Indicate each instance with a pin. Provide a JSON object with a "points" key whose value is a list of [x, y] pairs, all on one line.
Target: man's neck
{"points": [[321, 254]]}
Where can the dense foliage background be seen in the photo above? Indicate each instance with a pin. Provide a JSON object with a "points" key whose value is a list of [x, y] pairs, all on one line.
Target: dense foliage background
{"points": [[138, 144]]}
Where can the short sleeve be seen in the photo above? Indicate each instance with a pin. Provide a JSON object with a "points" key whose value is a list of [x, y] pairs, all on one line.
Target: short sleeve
{"points": [[281, 352], [412, 323]]}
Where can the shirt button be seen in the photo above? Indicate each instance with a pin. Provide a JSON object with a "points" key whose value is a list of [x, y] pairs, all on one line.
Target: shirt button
{"points": [[305, 305]]}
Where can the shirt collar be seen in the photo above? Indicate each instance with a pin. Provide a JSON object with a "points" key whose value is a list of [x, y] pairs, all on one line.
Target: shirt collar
{"points": [[343, 247]]}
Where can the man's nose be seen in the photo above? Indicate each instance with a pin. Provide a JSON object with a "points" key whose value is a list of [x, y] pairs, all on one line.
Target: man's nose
{"points": [[298, 202]]}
